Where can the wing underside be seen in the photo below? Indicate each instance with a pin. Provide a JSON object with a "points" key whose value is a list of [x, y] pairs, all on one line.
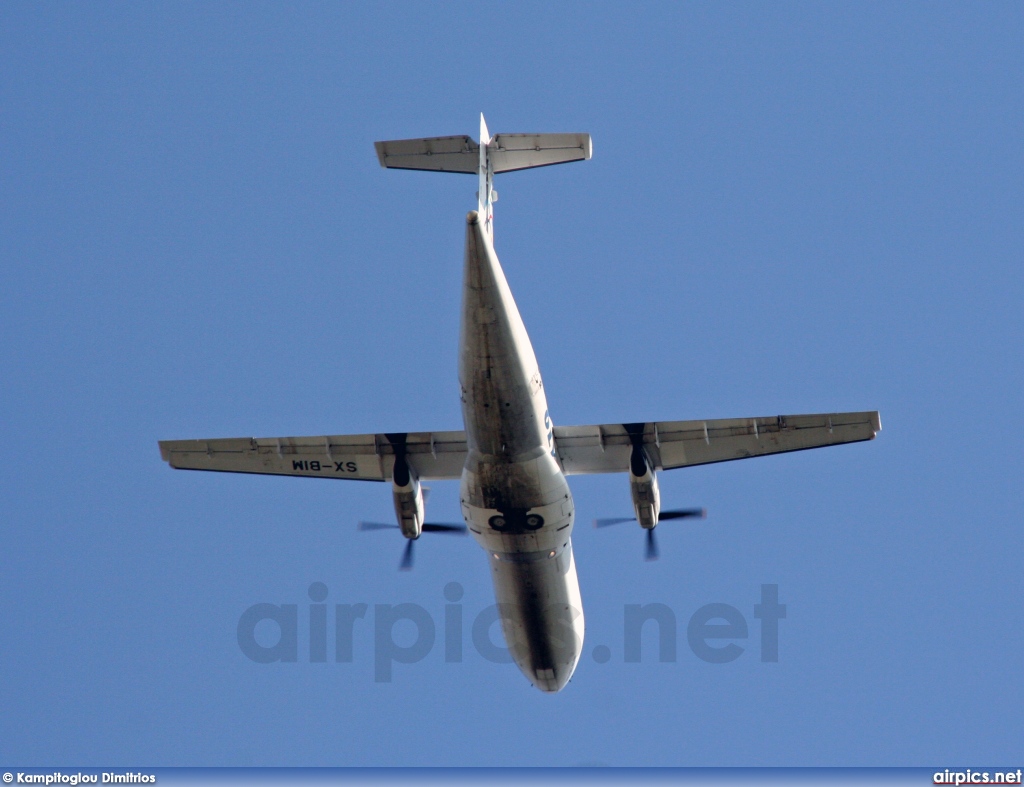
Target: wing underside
{"points": [[601, 448], [365, 457], [605, 448]]}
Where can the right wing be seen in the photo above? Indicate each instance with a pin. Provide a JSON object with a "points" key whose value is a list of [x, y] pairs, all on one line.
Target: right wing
{"points": [[605, 448], [364, 457]]}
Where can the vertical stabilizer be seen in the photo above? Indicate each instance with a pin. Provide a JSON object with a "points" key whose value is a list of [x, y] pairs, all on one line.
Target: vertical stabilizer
{"points": [[485, 173]]}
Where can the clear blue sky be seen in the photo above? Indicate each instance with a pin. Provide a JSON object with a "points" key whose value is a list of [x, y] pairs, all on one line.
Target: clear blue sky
{"points": [[791, 208]]}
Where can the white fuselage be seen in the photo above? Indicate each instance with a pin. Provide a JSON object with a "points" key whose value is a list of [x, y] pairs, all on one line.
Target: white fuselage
{"points": [[515, 499]]}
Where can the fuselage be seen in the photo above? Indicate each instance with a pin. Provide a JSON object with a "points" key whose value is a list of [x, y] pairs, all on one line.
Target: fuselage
{"points": [[515, 499]]}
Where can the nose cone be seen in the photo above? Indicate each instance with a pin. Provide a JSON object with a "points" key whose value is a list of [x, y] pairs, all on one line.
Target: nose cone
{"points": [[547, 647], [552, 679], [541, 615]]}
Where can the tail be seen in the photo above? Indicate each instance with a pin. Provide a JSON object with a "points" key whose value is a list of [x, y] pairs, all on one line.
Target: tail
{"points": [[486, 158]]}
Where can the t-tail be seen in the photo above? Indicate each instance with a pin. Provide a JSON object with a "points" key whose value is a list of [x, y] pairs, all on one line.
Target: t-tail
{"points": [[484, 158]]}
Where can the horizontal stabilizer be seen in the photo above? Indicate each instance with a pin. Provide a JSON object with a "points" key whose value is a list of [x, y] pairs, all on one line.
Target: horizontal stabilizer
{"points": [[507, 152], [438, 154], [510, 152]]}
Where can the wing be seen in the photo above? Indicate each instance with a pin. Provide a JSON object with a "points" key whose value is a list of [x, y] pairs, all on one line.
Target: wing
{"points": [[361, 457], [605, 448]]}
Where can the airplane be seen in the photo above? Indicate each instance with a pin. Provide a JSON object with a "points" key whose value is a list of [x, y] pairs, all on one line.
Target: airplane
{"points": [[510, 459]]}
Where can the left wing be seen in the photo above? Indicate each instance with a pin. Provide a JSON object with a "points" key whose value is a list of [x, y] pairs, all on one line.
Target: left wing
{"points": [[363, 457], [606, 448]]}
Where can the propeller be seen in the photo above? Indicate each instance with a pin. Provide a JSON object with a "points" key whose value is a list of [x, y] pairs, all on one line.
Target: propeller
{"points": [[651, 548], [613, 521], [428, 527], [683, 513], [664, 516], [406, 564], [651, 551]]}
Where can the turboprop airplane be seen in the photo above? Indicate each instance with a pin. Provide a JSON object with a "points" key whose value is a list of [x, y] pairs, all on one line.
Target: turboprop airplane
{"points": [[511, 460]]}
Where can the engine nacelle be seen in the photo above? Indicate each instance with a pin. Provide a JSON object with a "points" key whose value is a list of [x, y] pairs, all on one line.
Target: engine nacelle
{"points": [[643, 485], [408, 499]]}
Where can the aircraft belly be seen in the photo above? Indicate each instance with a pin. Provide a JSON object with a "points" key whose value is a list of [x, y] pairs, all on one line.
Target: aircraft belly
{"points": [[514, 495], [522, 514], [516, 506], [541, 613], [503, 402]]}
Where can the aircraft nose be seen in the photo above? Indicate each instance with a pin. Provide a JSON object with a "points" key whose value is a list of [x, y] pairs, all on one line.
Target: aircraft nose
{"points": [[551, 681]]}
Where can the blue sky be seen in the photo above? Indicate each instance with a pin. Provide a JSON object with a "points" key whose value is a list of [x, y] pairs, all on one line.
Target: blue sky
{"points": [[791, 208]]}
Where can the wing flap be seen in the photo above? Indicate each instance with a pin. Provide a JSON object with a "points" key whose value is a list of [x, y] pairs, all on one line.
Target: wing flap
{"points": [[366, 457], [605, 448], [602, 448]]}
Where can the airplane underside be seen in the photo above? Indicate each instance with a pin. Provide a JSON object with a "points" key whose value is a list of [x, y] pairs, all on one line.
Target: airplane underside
{"points": [[510, 459], [514, 496]]}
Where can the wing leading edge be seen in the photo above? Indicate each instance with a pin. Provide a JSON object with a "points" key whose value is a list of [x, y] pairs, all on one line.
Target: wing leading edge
{"points": [[605, 448]]}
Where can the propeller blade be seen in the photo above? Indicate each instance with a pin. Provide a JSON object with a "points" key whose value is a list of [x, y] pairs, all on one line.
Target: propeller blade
{"points": [[651, 553], [444, 527], [426, 492], [613, 521], [428, 527], [377, 526], [406, 564], [683, 513]]}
